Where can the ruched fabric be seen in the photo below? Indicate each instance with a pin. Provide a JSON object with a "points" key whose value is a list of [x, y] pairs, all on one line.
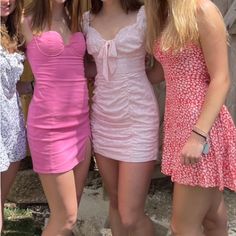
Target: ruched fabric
{"points": [[125, 116]]}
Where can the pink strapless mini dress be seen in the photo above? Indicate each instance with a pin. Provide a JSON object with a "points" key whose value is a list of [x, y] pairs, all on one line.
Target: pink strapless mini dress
{"points": [[58, 119]]}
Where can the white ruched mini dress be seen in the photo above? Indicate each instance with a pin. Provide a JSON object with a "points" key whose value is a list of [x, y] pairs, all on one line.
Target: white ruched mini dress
{"points": [[125, 115]]}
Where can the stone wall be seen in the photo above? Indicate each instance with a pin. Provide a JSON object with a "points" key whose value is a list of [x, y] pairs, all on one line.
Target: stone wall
{"points": [[228, 10]]}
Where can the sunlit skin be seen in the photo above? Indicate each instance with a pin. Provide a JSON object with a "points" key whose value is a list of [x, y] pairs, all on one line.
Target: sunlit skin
{"points": [[117, 175], [7, 7]]}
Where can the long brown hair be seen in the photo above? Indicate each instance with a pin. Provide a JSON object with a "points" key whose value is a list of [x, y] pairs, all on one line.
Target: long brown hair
{"points": [[127, 5], [10, 29], [172, 20], [40, 13]]}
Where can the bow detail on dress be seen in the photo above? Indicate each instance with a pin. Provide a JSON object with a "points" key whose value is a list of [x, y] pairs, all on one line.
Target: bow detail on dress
{"points": [[108, 55]]}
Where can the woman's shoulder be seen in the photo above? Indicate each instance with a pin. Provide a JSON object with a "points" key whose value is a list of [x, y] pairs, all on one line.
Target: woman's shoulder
{"points": [[141, 18], [86, 21], [26, 23], [211, 25], [86, 16], [26, 27], [207, 9], [209, 16]]}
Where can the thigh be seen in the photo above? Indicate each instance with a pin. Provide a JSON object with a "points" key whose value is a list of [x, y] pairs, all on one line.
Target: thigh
{"points": [[81, 171], [190, 206], [7, 179], [60, 192], [134, 182], [109, 170]]}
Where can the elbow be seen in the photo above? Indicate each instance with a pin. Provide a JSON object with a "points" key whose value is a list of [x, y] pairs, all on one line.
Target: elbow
{"points": [[227, 83], [223, 83]]}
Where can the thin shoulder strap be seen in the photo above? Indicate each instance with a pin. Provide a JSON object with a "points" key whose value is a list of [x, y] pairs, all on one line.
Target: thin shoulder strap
{"points": [[86, 21]]}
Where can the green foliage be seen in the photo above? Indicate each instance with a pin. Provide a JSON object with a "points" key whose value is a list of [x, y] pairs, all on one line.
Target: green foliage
{"points": [[19, 222]]}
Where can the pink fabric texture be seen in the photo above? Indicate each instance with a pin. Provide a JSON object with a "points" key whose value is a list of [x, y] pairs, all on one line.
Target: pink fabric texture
{"points": [[125, 117], [58, 119], [187, 81]]}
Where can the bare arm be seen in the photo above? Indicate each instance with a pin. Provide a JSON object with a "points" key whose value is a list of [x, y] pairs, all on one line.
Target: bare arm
{"points": [[90, 67], [213, 39], [155, 74], [26, 29], [24, 87]]}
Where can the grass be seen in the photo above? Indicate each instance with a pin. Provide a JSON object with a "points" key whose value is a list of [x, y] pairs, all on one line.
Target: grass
{"points": [[19, 222]]}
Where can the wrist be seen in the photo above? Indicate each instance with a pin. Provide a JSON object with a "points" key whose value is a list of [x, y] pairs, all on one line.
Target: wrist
{"points": [[202, 137], [198, 138], [200, 132]]}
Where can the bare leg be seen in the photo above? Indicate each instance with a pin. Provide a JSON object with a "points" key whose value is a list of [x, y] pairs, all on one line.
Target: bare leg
{"points": [[109, 170], [81, 172], [191, 205], [7, 179], [61, 195], [215, 222], [134, 181]]}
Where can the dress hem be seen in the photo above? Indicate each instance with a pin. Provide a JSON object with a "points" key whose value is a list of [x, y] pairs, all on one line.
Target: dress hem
{"points": [[221, 187], [128, 160], [38, 171], [10, 162]]}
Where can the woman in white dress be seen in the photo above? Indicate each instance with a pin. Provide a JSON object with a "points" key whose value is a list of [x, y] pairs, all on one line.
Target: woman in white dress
{"points": [[12, 138]]}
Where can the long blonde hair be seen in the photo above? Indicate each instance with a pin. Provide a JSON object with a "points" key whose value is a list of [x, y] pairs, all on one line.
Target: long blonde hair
{"points": [[40, 12], [172, 21], [10, 29]]}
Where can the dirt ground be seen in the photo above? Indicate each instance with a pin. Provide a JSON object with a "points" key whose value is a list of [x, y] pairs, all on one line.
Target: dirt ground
{"points": [[93, 210], [26, 219]]}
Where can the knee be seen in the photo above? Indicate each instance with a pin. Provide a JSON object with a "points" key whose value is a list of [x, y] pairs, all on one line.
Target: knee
{"points": [[129, 222], [70, 219], [216, 223], [174, 229], [185, 230], [129, 219]]}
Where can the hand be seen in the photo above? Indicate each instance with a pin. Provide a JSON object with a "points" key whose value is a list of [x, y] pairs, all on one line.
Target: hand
{"points": [[192, 150]]}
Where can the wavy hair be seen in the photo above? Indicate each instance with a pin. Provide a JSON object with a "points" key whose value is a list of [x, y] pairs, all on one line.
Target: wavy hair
{"points": [[10, 29], [127, 5], [40, 13], [172, 21]]}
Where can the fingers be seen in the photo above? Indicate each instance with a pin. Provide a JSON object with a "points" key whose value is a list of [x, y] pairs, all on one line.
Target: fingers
{"points": [[187, 160]]}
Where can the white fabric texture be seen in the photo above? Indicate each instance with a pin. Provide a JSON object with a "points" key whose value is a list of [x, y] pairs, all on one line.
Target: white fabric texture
{"points": [[12, 126]]}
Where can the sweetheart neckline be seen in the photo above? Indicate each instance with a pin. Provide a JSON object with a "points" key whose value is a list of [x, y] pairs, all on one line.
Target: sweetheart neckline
{"points": [[57, 33], [120, 30]]}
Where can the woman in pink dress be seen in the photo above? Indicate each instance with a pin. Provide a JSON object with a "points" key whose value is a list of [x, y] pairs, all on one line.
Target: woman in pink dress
{"points": [[189, 39], [125, 117], [58, 120]]}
